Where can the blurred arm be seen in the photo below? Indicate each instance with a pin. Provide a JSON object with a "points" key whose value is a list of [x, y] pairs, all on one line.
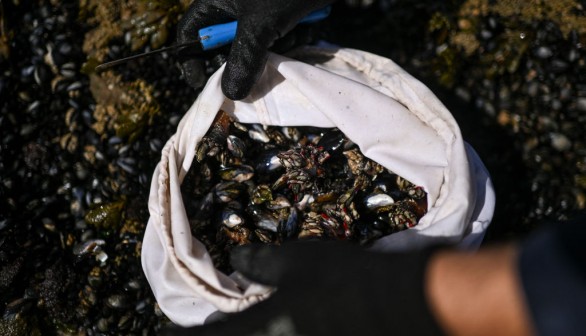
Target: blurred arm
{"points": [[478, 293]]}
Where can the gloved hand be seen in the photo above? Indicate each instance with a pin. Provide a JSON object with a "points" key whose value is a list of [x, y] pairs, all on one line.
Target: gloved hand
{"points": [[260, 24], [329, 288]]}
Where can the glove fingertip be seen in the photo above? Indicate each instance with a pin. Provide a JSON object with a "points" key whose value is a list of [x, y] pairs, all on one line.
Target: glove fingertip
{"points": [[235, 90], [241, 75], [247, 60]]}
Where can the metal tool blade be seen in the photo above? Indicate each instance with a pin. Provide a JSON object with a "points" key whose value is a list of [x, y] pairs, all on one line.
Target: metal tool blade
{"points": [[176, 47]]}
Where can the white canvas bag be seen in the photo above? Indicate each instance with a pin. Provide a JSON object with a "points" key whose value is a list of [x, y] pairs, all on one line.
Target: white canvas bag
{"points": [[391, 116]]}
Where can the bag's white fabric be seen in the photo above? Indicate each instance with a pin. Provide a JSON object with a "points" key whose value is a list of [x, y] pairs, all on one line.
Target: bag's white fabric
{"points": [[391, 116]]}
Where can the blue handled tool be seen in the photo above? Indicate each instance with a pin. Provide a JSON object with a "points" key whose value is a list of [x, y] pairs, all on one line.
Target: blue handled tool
{"points": [[211, 37]]}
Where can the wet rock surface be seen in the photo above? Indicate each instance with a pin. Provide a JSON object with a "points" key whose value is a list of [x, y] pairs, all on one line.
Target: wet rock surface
{"points": [[77, 149]]}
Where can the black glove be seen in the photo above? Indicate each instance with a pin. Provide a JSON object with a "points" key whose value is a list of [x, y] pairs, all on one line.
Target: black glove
{"points": [[260, 24], [329, 288]]}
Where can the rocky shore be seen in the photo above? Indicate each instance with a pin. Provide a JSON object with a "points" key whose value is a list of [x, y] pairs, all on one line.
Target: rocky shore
{"points": [[77, 149]]}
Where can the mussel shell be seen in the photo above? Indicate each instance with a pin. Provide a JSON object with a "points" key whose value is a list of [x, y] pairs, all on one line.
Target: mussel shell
{"points": [[279, 202], [88, 247], [268, 162], [378, 200], [257, 133], [292, 133], [332, 141], [228, 191], [238, 173], [289, 227], [236, 146], [231, 217], [263, 219]]}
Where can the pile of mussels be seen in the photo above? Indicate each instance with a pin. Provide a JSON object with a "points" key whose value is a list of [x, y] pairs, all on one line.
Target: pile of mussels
{"points": [[269, 184]]}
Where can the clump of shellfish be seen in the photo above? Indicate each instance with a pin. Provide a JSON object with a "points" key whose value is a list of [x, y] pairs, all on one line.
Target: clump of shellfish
{"points": [[272, 184]]}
